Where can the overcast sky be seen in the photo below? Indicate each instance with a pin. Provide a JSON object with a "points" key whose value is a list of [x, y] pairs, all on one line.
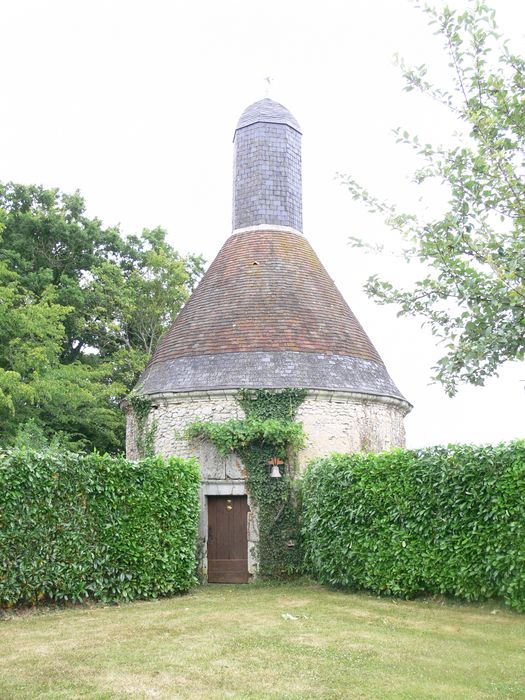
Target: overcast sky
{"points": [[135, 104]]}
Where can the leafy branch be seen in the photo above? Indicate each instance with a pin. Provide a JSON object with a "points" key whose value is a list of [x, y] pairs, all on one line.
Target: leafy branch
{"points": [[473, 293]]}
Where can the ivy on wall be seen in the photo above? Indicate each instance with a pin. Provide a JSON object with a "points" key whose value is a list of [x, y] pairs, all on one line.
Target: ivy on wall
{"points": [[267, 431], [265, 404], [145, 440]]}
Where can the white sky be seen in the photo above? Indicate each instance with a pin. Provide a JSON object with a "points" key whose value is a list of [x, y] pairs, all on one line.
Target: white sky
{"points": [[135, 103]]}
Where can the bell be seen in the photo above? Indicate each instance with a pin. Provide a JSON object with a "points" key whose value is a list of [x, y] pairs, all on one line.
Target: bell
{"points": [[275, 472]]}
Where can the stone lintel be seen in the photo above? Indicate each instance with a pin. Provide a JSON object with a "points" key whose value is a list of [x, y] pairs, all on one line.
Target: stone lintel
{"points": [[224, 487]]}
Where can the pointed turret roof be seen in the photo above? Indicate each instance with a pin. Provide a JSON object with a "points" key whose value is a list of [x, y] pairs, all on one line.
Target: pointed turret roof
{"points": [[267, 111], [266, 314]]}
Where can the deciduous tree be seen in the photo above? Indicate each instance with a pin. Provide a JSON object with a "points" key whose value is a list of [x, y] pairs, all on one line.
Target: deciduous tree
{"points": [[81, 310], [473, 297]]}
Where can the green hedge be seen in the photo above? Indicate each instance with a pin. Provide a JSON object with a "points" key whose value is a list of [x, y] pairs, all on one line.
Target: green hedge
{"points": [[76, 526], [447, 520]]}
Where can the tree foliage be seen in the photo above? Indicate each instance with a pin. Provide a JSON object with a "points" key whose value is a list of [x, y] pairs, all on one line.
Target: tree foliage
{"points": [[81, 310], [474, 295]]}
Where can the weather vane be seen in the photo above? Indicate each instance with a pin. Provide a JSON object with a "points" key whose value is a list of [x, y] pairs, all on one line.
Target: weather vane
{"points": [[268, 80]]}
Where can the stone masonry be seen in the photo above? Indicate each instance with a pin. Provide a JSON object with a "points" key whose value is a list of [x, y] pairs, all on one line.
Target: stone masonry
{"points": [[332, 421]]}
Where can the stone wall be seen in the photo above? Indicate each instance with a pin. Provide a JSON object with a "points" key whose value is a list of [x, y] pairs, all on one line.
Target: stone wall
{"points": [[173, 412], [345, 422], [333, 422]]}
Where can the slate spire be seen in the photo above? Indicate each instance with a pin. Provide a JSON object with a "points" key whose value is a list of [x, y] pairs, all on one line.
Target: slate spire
{"points": [[267, 185]]}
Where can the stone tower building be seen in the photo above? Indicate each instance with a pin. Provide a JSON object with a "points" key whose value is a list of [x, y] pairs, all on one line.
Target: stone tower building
{"points": [[267, 315]]}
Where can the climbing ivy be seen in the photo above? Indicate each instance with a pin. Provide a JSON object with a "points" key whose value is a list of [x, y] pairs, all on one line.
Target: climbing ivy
{"points": [[234, 435], [145, 438], [267, 431], [265, 404]]}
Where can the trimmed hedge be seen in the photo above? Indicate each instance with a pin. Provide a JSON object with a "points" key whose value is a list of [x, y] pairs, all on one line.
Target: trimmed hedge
{"points": [[77, 526], [445, 520]]}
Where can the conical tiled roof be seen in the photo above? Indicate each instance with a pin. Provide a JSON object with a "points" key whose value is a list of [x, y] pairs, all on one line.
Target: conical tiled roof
{"points": [[266, 315]]}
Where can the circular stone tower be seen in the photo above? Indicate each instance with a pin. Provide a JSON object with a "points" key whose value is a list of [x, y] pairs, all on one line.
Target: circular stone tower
{"points": [[267, 315]]}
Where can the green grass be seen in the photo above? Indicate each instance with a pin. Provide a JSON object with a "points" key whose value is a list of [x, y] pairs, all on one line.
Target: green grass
{"points": [[289, 641]]}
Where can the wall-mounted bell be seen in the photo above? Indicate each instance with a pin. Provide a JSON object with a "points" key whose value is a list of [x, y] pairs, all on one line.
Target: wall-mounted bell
{"points": [[275, 472]]}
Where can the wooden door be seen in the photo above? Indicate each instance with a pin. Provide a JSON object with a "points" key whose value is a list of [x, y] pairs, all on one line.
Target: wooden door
{"points": [[227, 539]]}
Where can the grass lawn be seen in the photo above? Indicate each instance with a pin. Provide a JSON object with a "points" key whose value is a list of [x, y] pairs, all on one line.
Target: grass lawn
{"points": [[262, 641]]}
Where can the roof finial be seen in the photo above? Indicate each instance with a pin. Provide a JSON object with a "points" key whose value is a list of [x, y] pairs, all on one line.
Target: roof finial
{"points": [[268, 80]]}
